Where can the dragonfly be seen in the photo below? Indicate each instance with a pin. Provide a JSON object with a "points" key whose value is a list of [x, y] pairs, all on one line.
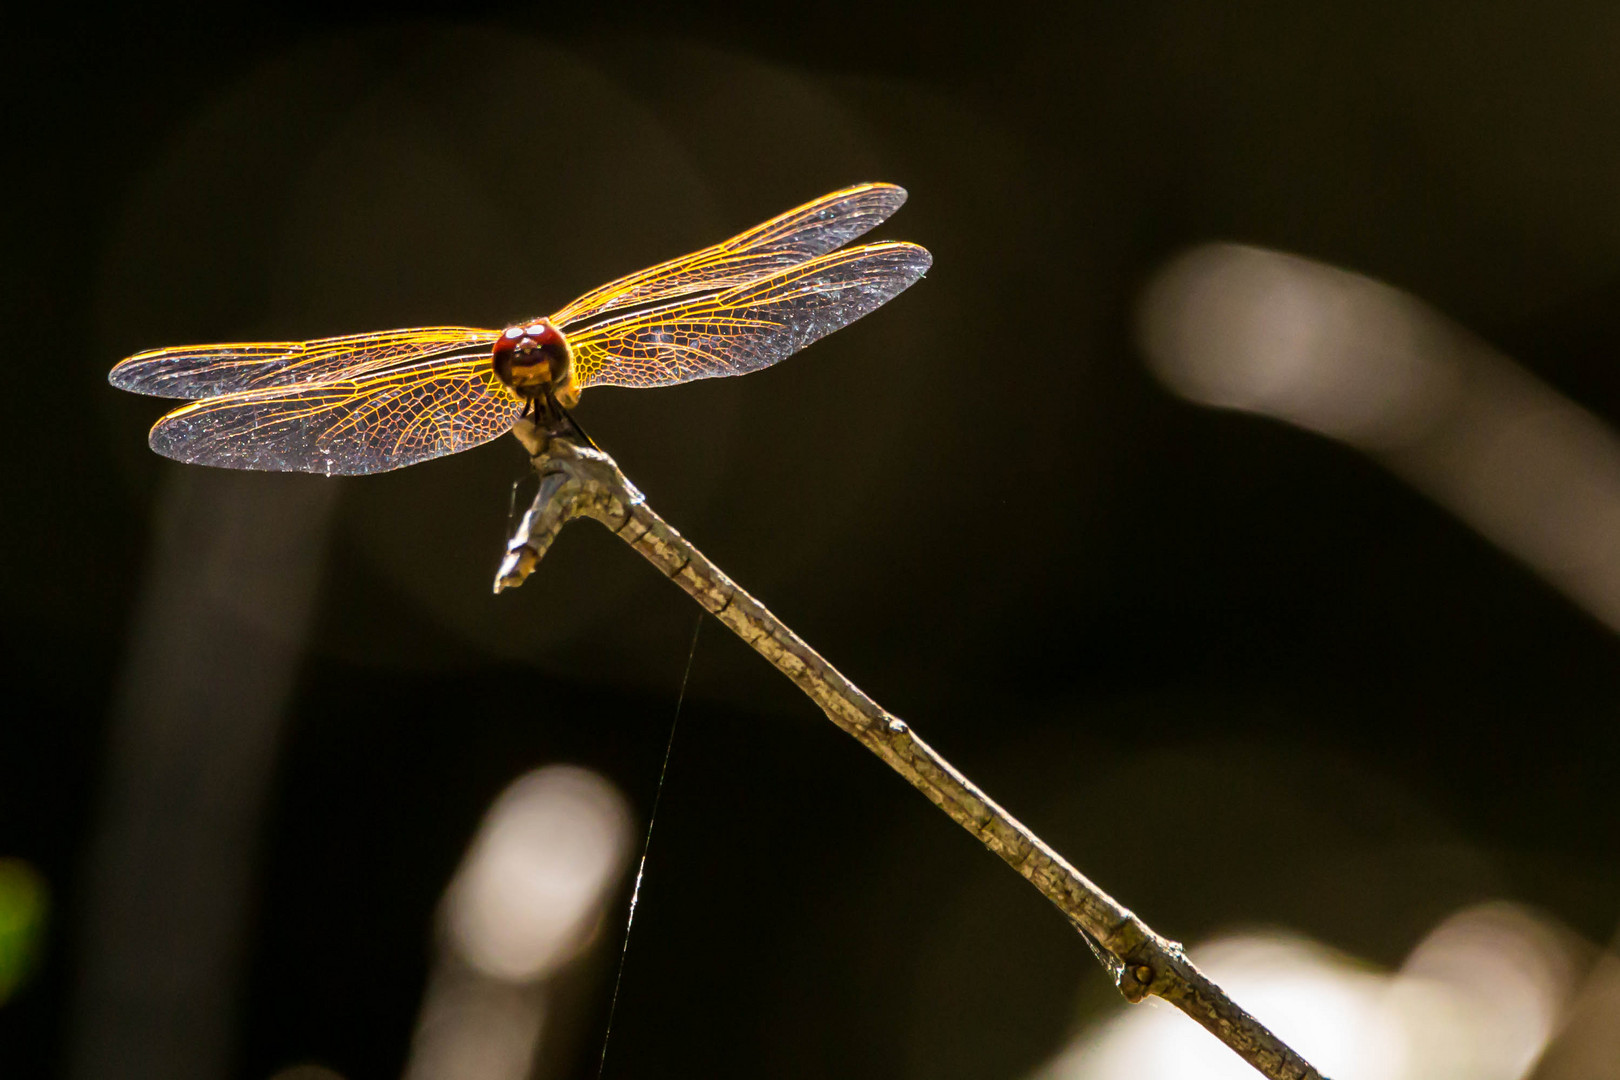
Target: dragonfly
{"points": [[373, 402]]}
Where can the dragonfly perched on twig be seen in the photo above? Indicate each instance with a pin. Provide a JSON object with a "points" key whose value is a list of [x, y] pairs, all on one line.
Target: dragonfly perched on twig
{"points": [[368, 403]]}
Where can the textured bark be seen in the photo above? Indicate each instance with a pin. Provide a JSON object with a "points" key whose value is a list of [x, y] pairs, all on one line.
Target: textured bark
{"points": [[577, 481]]}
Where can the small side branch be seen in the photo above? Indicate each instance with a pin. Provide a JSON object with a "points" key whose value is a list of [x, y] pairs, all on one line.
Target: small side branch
{"points": [[577, 481]]}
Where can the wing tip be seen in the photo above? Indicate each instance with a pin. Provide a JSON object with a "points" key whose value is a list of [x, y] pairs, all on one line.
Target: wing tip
{"points": [[891, 196], [161, 372], [127, 374], [895, 190], [174, 441], [174, 434], [914, 256], [169, 436]]}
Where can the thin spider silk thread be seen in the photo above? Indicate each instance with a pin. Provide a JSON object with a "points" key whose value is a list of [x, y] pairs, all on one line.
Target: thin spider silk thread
{"points": [[641, 867]]}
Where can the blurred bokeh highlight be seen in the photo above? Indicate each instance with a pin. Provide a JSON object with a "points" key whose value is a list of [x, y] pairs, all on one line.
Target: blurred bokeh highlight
{"points": [[529, 898], [1479, 998], [1339, 354]]}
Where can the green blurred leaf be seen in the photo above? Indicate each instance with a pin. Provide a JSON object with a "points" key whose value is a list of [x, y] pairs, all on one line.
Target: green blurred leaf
{"points": [[24, 901]]}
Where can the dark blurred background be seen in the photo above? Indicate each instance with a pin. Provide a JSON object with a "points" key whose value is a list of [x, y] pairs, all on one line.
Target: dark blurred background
{"points": [[1241, 674]]}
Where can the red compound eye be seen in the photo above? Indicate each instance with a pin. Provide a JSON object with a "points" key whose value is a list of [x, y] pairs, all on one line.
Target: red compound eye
{"points": [[533, 359]]}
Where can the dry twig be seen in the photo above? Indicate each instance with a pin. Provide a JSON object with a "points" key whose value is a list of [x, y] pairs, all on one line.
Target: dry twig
{"points": [[577, 481]]}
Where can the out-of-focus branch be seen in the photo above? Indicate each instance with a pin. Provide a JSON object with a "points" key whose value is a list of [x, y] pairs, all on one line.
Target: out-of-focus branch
{"points": [[577, 481]]}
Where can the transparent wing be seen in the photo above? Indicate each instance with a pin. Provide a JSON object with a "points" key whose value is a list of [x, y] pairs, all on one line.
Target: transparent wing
{"points": [[749, 327], [349, 426], [802, 233], [200, 371]]}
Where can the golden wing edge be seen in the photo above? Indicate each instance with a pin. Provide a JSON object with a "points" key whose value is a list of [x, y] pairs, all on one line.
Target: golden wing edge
{"points": [[893, 197], [640, 286], [194, 372], [750, 307], [189, 434]]}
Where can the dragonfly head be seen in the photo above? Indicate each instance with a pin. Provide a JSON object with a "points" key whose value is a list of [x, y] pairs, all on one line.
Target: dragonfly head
{"points": [[536, 358]]}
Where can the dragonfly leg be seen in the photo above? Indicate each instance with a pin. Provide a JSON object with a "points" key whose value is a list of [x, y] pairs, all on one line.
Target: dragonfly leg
{"points": [[578, 430], [558, 420]]}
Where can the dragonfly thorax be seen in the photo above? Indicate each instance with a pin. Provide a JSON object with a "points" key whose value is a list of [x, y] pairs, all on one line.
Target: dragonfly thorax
{"points": [[535, 360]]}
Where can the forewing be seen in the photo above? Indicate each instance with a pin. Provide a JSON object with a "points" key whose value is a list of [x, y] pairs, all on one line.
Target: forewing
{"points": [[802, 233], [749, 327], [203, 371], [200, 371], [346, 427]]}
